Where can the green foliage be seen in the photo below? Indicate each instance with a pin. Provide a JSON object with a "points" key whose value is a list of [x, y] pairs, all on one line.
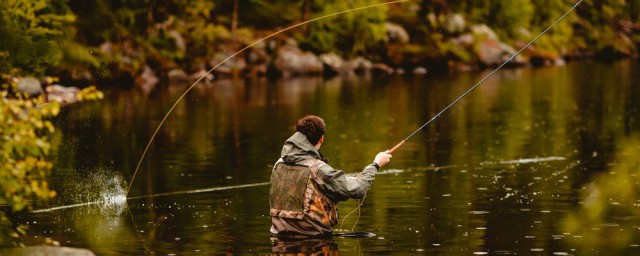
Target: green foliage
{"points": [[612, 197], [504, 16], [31, 33], [560, 39], [24, 146], [351, 34]]}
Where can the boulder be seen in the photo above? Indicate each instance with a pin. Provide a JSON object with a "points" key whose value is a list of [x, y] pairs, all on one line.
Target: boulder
{"points": [[464, 40], [46, 251], [360, 65], [231, 66], [483, 31], [334, 64], [147, 79], [419, 71], [290, 60], [396, 33], [61, 94], [488, 48], [455, 23], [29, 86], [178, 39], [177, 76], [381, 68], [201, 73]]}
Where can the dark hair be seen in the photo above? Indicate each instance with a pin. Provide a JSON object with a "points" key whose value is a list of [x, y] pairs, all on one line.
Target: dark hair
{"points": [[311, 126]]}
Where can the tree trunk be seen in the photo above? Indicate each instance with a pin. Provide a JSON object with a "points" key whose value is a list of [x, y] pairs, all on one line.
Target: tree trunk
{"points": [[305, 14], [234, 18]]}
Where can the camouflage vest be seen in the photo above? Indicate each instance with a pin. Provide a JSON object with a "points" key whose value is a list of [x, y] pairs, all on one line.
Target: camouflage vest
{"points": [[294, 193]]}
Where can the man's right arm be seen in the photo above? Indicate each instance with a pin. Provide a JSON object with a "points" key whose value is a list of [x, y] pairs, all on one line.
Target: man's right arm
{"points": [[340, 186]]}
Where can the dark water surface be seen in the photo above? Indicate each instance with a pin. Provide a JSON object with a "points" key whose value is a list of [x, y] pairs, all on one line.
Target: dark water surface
{"points": [[498, 174]]}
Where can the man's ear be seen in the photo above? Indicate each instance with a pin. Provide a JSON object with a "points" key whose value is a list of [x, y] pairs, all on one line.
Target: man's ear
{"points": [[321, 139]]}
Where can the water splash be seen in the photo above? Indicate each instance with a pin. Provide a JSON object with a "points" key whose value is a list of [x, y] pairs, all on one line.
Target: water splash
{"points": [[101, 189]]}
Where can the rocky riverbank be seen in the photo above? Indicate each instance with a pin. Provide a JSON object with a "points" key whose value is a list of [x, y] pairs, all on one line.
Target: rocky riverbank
{"points": [[466, 47]]}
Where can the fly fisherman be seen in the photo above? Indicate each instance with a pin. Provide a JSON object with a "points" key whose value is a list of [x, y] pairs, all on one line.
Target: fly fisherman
{"points": [[305, 189]]}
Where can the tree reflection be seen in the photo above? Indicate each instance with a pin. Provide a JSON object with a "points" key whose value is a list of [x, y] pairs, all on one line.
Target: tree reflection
{"points": [[607, 219]]}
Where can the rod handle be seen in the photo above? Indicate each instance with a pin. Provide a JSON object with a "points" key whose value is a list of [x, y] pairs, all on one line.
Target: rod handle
{"points": [[396, 147]]}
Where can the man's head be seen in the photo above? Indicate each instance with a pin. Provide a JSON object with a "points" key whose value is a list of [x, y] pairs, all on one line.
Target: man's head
{"points": [[313, 127]]}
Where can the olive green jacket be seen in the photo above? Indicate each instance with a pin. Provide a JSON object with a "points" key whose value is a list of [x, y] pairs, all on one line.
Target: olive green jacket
{"points": [[337, 185]]}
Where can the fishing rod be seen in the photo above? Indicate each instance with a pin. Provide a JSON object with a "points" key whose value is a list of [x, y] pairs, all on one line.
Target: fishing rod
{"points": [[397, 146]]}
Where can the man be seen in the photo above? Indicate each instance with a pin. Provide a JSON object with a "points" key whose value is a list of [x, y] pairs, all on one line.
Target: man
{"points": [[305, 189]]}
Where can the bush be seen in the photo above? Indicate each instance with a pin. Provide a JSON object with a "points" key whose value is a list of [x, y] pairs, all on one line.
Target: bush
{"points": [[24, 145]]}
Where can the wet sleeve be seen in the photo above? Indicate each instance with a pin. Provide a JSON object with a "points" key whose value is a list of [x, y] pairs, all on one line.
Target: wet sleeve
{"points": [[340, 186]]}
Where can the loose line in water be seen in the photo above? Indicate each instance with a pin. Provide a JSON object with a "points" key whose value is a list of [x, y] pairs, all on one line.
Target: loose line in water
{"points": [[194, 191], [385, 172], [144, 153]]}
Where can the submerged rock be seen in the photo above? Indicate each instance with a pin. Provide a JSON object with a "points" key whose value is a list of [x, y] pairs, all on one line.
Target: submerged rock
{"points": [[46, 251]]}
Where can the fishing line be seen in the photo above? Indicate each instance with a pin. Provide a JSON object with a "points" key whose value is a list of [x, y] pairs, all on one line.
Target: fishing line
{"points": [[213, 189], [397, 146], [144, 153]]}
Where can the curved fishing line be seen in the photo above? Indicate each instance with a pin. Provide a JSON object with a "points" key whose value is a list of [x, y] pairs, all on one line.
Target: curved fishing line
{"points": [[144, 153], [397, 146], [485, 78]]}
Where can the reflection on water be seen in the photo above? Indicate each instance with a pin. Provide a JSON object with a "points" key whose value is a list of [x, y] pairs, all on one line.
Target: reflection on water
{"points": [[311, 246], [608, 216], [495, 175]]}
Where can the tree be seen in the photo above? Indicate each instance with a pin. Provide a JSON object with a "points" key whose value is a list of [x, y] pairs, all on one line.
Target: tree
{"points": [[350, 34], [33, 34]]}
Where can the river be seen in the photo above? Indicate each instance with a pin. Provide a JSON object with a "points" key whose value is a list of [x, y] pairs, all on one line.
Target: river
{"points": [[498, 174]]}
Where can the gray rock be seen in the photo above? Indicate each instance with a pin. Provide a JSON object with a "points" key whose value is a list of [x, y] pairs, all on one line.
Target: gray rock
{"points": [[455, 23], [46, 251], [483, 31], [147, 80], [29, 86], [492, 52], [361, 65], [464, 40], [396, 33], [488, 48], [291, 60], [419, 70], [382, 68], [201, 73], [232, 65], [177, 76], [179, 40], [61, 94], [333, 63]]}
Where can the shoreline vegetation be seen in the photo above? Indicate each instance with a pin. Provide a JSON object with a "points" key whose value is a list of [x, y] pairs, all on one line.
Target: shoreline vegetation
{"points": [[150, 42]]}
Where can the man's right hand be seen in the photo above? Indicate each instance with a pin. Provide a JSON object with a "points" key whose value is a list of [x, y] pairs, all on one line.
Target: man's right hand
{"points": [[382, 158]]}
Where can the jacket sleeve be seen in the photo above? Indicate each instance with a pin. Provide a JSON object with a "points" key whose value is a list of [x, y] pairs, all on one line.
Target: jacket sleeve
{"points": [[340, 186]]}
